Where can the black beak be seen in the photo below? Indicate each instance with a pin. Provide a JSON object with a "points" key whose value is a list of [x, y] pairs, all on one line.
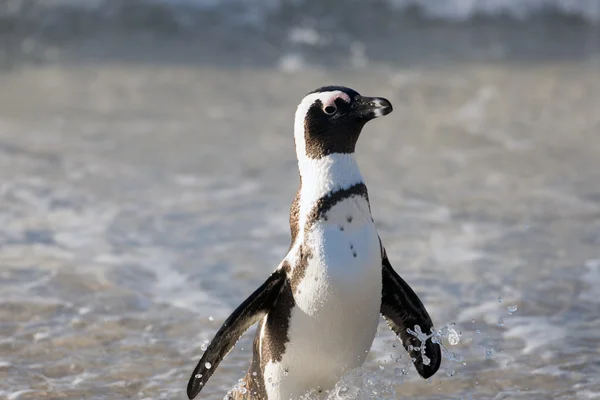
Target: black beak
{"points": [[372, 107]]}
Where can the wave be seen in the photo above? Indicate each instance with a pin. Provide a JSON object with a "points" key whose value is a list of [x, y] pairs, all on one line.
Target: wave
{"points": [[154, 14]]}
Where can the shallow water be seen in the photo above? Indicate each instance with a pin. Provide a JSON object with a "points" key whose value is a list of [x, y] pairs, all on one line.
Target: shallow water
{"points": [[142, 198]]}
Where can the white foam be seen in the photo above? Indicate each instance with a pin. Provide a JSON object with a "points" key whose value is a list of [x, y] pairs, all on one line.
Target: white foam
{"points": [[487, 311], [303, 35], [360, 384], [171, 286], [588, 394], [536, 332], [16, 395], [460, 10], [591, 278]]}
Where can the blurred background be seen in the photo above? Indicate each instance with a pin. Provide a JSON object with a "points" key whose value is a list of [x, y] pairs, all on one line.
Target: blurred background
{"points": [[147, 167]]}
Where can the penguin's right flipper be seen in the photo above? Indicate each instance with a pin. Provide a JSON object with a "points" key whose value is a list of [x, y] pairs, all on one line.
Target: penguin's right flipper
{"points": [[255, 307], [402, 310]]}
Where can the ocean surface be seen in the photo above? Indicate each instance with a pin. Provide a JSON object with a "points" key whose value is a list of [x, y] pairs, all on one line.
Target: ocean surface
{"points": [[147, 167]]}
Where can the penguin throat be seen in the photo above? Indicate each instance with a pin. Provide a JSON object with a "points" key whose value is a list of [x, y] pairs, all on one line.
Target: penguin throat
{"points": [[321, 176]]}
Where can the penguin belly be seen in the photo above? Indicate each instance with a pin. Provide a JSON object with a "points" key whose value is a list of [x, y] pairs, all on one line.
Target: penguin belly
{"points": [[337, 304]]}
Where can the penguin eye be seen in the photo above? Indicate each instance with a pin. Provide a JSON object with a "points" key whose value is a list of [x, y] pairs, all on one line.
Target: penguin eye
{"points": [[330, 110]]}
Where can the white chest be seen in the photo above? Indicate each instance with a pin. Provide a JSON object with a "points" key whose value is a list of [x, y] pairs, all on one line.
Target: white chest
{"points": [[346, 258], [338, 302]]}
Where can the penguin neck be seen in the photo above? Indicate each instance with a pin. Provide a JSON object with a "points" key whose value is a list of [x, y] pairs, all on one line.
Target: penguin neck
{"points": [[327, 174]]}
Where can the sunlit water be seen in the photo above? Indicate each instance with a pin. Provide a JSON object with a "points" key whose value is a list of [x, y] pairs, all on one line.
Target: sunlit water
{"points": [[144, 194]]}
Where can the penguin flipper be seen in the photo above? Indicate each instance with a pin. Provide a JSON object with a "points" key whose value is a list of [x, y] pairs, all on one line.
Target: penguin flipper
{"points": [[255, 307], [402, 310]]}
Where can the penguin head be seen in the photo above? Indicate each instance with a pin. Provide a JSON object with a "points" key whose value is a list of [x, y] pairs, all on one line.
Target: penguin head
{"points": [[329, 120]]}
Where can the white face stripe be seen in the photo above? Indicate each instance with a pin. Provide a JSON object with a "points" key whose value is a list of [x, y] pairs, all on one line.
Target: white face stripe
{"points": [[334, 96], [323, 175], [326, 98]]}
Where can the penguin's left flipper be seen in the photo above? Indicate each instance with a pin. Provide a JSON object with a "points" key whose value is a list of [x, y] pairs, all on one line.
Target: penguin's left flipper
{"points": [[252, 310], [402, 310]]}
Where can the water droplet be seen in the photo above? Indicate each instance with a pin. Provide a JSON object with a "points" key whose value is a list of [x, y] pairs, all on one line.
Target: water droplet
{"points": [[270, 380], [512, 309], [208, 365], [254, 373], [286, 372], [198, 376], [500, 321], [204, 345], [426, 360], [499, 299], [450, 373], [453, 337], [243, 390], [211, 318], [394, 345], [489, 352], [455, 357], [343, 391], [381, 367]]}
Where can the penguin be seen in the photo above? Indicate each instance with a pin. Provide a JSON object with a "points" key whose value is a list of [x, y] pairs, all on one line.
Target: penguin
{"points": [[318, 312]]}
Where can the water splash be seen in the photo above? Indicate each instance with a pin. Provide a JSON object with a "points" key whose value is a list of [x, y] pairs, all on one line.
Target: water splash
{"points": [[239, 387], [360, 384], [453, 337]]}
